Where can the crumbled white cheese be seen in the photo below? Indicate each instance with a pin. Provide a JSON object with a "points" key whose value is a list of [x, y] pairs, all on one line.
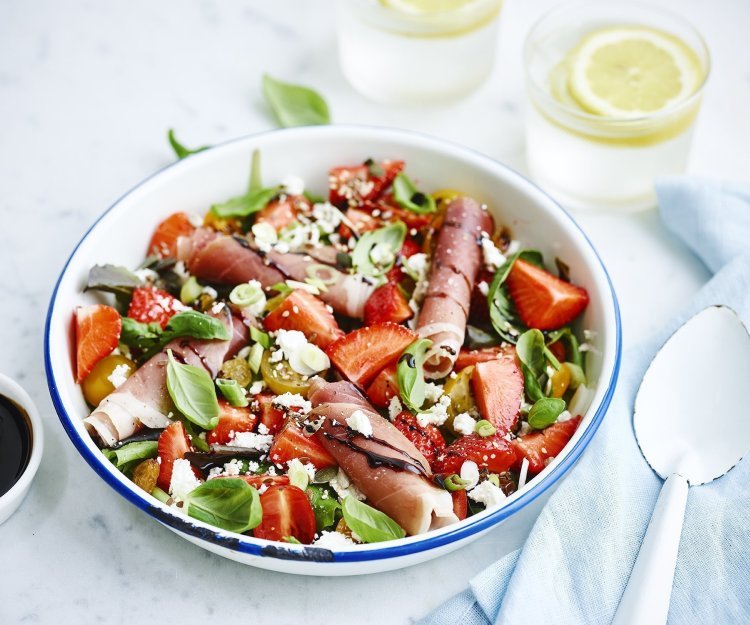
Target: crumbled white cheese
{"points": [[183, 479], [344, 486], [298, 236], [360, 422], [564, 416], [293, 185], [265, 235], [484, 288], [493, 258], [382, 254], [327, 216], [251, 440], [217, 308], [263, 428], [470, 473], [394, 407], [488, 494], [524, 428], [288, 401], [256, 387], [589, 334], [464, 424], [119, 374], [433, 392], [333, 540], [436, 414], [146, 275]]}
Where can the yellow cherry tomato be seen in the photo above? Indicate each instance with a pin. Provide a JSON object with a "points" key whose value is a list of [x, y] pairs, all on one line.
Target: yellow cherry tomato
{"points": [[560, 381], [446, 195], [281, 378], [97, 384], [459, 390]]}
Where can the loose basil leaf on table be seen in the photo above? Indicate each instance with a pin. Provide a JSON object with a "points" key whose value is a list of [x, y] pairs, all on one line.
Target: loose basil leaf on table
{"points": [[230, 503], [325, 505], [391, 237], [180, 150], [410, 374], [545, 411], [369, 524], [193, 394], [409, 197], [112, 279], [232, 392], [295, 105], [124, 457]]}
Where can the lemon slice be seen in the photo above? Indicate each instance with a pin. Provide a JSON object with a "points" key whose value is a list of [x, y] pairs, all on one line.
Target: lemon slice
{"points": [[628, 72], [425, 6]]}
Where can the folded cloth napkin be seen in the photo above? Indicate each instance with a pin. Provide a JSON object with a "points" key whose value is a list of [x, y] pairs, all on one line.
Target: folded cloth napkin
{"points": [[575, 563]]}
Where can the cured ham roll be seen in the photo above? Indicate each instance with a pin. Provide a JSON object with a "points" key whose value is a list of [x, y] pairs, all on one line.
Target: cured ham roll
{"points": [[385, 466], [143, 400], [225, 259], [455, 264]]}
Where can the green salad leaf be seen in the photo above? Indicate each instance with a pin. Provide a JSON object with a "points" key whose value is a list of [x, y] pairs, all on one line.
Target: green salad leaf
{"points": [[247, 204], [369, 524], [325, 505], [376, 251], [230, 503], [112, 279], [410, 374], [545, 411], [409, 197], [193, 394], [570, 341], [125, 457], [295, 105], [533, 353], [180, 150]]}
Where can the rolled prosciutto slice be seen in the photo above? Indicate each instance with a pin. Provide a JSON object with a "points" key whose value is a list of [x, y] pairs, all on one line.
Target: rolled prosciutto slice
{"points": [[143, 400], [385, 466], [225, 259], [455, 264]]}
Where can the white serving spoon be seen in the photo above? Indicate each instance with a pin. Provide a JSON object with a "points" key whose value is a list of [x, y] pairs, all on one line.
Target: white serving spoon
{"points": [[692, 425]]}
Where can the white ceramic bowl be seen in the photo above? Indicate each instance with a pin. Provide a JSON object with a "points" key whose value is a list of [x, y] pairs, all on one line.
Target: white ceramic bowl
{"points": [[121, 235], [10, 501]]}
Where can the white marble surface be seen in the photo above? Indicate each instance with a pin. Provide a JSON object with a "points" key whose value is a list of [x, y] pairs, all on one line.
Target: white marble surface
{"points": [[87, 91]]}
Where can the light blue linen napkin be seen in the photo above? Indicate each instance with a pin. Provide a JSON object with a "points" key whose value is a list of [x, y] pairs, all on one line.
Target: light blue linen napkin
{"points": [[575, 563]]}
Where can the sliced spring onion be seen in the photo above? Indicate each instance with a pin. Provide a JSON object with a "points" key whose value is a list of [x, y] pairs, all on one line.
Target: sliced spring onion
{"points": [[190, 291], [249, 295], [232, 392], [484, 428], [255, 357]]}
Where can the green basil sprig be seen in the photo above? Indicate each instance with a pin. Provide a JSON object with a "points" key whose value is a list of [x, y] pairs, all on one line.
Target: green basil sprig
{"points": [[534, 355], [232, 392], [570, 341], [230, 504], [193, 394], [369, 524], [325, 505], [125, 457], [295, 105], [409, 197], [391, 237], [247, 204], [502, 311], [410, 374], [180, 150], [545, 411]]}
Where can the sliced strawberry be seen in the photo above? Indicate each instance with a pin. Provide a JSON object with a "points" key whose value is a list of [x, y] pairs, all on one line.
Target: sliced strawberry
{"points": [[498, 391], [361, 354], [231, 421], [287, 513], [97, 330], [493, 453], [292, 442], [362, 221], [283, 211], [539, 447], [468, 357], [164, 240], [383, 387], [542, 300], [303, 311], [410, 247], [428, 439], [173, 445], [152, 305], [271, 418], [350, 186], [460, 504], [387, 303]]}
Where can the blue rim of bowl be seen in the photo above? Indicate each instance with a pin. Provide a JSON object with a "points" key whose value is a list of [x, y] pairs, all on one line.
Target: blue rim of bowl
{"points": [[252, 546]]}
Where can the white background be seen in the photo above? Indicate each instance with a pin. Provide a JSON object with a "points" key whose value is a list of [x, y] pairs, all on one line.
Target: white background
{"points": [[87, 92]]}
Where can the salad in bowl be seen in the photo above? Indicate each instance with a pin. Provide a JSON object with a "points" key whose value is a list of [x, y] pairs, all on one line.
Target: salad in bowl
{"points": [[381, 361]]}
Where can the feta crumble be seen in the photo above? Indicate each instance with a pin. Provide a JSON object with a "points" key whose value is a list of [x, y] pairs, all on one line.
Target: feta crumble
{"points": [[251, 440], [288, 401], [327, 216], [344, 486], [119, 375], [183, 480], [493, 258], [394, 407], [293, 185], [257, 387], [464, 424], [360, 422], [433, 392], [488, 494], [470, 473], [436, 414], [333, 540]]}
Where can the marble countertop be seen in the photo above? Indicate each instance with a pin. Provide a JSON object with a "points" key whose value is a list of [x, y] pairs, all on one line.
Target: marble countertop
{"points": [[87, 92]]}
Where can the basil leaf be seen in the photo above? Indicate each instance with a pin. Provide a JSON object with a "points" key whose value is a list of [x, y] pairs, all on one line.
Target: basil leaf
{"points": [[230, 504], [232, 392], [295, 105], [410, 374], [570, 341], [143, 336], [409, 197], [530, 351], [325, 505], [532, 387], [545, 411], [193, 394], [376, 250], [195, 325], [124, 457], [193, 432], [369, 524], [256, 180], [180, 150], [112, 279], [244, 205]]}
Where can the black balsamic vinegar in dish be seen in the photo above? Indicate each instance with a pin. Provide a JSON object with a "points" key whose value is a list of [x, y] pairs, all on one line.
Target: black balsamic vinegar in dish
{"points": [[15, 443]]}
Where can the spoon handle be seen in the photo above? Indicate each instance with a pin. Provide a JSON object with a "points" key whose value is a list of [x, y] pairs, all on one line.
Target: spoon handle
{"points": [[646, 597]]}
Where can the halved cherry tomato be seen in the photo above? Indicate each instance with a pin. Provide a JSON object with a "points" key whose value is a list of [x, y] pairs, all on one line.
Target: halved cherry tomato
{"points": [[97, 384], [287, 513], [98, 330]]}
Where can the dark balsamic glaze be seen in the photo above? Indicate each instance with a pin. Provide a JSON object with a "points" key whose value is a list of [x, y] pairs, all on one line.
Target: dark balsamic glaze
{"points": [[375, 460], [269, 262], [15, 443], [208, 460]]}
